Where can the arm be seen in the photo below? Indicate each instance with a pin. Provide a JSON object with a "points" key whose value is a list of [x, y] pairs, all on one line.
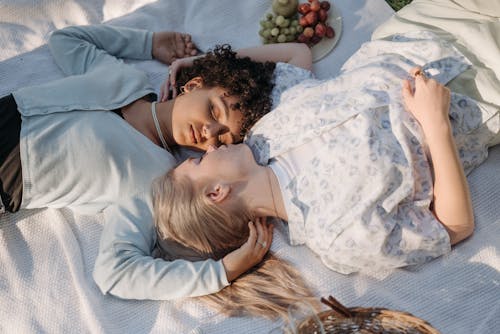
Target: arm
{"points": [[297, 54], [125, 267], [77, 49], [451, 203]]}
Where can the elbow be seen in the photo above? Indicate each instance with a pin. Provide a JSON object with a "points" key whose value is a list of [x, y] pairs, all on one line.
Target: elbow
{"points": [[302, 56], [462, 232], [58, 36]]}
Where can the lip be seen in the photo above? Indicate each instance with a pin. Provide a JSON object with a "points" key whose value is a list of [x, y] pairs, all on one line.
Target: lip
{"points": [[193, 135]]}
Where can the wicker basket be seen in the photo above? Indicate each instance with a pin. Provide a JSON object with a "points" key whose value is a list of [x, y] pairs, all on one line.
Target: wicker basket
{"points": [[362, 320]]}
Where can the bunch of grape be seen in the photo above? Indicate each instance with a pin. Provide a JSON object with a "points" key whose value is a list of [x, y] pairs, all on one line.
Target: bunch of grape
{"points": [[279, 29], [314, 15]]}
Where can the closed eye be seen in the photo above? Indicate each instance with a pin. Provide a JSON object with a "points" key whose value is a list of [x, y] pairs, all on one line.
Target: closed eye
{"points": [[212, 111]]}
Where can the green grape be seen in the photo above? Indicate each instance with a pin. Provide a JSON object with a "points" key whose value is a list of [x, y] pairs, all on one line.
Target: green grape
{"points": [[263, 23], [285, 31], [285, 23], [299, 29], [279, 20], [269, 25], [269, 16], [266, 33], [281, 38], [294, 23], [290, 38], [292, 30], [275, 32]]}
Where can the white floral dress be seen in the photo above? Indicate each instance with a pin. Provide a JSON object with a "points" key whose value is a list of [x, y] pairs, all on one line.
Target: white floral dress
{"points": [[361, 201]]}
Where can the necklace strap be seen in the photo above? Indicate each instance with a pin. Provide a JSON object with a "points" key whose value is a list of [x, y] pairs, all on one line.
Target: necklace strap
{"points": [[157, 126]]}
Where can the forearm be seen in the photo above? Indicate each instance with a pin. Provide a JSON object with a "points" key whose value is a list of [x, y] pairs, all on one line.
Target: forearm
{"points": [[451, 204], [76, 49], [297, 54], [126, 268]]}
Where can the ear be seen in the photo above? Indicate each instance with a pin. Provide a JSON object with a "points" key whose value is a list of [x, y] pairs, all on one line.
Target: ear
{"points": [[218, 192], [196, 82]]}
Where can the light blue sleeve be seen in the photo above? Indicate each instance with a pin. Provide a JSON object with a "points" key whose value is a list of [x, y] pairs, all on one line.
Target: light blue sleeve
{"points": [[97, 79], [77, 49], [126, 268]]}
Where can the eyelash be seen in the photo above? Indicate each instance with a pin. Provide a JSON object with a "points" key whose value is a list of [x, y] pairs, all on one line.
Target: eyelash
{"points": [[211, 109]]}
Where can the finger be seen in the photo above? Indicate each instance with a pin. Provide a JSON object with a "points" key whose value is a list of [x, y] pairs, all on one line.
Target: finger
{"points": [[407, 89], [270, 234], [260, 231], [415, 71], [252, 236], [407, 93]]}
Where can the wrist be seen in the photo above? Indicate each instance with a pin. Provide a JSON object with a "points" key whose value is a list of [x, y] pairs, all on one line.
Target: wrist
{"points": [[438, 129], [231, 274]]}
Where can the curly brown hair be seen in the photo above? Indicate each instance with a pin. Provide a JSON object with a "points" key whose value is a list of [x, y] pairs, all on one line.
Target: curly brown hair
{"points": [[251, 81]]}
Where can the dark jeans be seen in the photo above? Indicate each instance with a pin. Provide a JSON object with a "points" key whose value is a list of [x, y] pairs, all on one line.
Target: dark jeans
{"points": [[11, 180]]}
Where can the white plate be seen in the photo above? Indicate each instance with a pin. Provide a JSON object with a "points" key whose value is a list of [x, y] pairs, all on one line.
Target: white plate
{"points": [[326, 44]]}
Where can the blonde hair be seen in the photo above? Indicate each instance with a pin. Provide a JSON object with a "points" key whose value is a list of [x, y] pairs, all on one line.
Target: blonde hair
{"points": [[187, 217]]}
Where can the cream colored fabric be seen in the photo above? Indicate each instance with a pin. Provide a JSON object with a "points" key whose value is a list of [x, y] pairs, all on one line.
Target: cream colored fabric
{"points": [[474, 28]]}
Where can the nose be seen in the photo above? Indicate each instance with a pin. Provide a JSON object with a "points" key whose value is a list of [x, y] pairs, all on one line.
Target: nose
{"points": [[211, 130]]}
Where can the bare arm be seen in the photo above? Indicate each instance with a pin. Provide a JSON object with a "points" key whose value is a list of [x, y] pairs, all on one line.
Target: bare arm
{"points": [[251, 252], [452, 206], [297, 54]]}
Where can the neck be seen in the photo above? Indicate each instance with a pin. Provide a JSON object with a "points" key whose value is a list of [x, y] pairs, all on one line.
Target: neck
{"points": [[264, 196], [164, 114]]}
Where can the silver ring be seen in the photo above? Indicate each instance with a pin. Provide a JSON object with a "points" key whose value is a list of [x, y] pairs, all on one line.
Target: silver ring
{"points": [[262, 244]]}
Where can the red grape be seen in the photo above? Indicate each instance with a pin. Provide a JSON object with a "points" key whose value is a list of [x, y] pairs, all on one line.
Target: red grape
{"points": [[330, 33], [312, 18]]}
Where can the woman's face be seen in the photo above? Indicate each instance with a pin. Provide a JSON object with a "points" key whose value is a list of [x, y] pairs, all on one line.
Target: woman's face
{"points": [[206, 116], [227, 163]]}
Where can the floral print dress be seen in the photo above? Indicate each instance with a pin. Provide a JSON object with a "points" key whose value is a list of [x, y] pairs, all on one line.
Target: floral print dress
{"points": [[361, 199]]}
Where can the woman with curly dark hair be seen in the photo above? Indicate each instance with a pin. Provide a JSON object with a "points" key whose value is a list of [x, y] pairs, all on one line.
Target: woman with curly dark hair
{"points": [[245, 74], [94, 141]]}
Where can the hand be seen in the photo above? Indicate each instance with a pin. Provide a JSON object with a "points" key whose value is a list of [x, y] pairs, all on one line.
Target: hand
{"points": [[170, 81], [251, 252], [169, 46], [429, 102]]}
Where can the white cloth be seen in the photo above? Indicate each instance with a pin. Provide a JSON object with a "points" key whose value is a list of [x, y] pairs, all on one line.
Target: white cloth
{"points": [[46, 256]]}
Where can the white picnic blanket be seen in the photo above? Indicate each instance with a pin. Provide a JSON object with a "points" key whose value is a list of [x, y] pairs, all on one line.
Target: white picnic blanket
{"points": [[47, 256]]}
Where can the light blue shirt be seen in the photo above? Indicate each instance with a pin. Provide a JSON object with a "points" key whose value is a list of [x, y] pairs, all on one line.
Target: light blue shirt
{"points": [[75, 153]]}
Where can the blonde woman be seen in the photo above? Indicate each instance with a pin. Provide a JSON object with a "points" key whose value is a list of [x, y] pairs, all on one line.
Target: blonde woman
{"points": [[366, 175]]}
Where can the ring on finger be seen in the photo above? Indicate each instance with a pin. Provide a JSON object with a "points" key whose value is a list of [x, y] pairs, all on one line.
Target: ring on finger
{"points": [[262, 244], [419, 72]]}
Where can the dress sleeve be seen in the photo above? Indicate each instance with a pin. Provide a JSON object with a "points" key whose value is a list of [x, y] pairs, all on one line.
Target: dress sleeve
{"points": [[126, 268], [285, 76], [77, 49]]}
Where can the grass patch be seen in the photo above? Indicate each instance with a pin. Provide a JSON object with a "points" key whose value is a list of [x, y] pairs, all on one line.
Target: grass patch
{"points": [[397, 4]]}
